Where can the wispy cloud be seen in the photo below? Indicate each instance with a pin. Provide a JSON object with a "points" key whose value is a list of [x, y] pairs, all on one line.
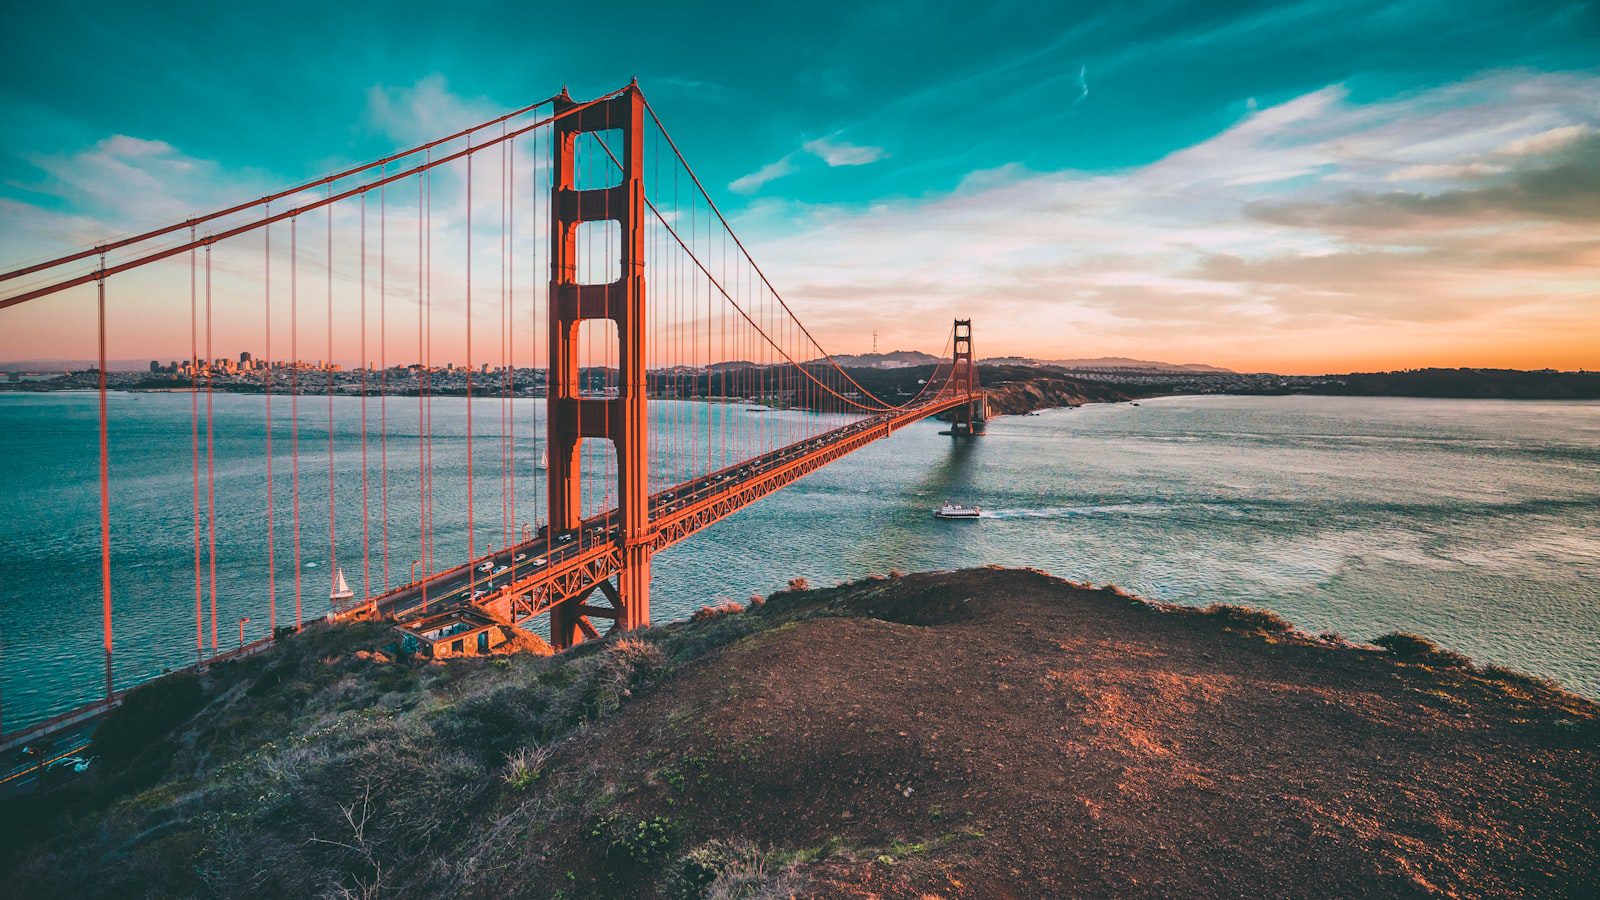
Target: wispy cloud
{"points": [[835, 152], [830, 150], [748, 184]]}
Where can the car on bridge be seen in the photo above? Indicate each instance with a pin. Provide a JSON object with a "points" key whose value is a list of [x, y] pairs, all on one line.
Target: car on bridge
{"points": [[76, 765]]}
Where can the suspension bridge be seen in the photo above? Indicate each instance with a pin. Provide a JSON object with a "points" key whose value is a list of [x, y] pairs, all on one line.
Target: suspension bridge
{"points": [[565, 251]]}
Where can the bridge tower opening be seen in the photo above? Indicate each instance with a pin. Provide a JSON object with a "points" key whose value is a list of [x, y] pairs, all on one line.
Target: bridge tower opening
{"points": [[620, 419], [970, 418]]}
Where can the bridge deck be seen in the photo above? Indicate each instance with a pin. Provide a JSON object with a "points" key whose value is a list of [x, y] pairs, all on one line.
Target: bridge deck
{"points": [[525, 580]]}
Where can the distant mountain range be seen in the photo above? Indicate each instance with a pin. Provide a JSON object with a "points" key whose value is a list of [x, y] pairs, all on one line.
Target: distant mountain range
{"points": [[1105, 362], [899, 359], [72, 365], [895, 359]]}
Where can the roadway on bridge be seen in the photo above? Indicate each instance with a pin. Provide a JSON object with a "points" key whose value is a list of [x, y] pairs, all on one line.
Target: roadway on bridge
{"points": [[492, 572]]}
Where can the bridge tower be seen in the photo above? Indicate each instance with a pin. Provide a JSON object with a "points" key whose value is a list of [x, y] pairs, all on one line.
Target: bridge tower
{"points": [[622, 419], [969, 419]]}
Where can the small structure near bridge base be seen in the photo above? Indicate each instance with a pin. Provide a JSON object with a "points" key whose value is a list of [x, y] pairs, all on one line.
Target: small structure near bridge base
{"points": [[467, 631]]}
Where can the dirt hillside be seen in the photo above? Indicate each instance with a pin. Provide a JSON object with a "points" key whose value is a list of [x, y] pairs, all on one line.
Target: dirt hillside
{"points": [[985, 733]]}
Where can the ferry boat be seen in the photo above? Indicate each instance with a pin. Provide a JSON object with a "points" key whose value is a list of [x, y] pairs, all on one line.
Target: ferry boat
{"points": [[341, 590], [957, 511]]}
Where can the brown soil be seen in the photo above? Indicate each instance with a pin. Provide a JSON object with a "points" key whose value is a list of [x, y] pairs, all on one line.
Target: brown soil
{"points": [[1001, 733]]}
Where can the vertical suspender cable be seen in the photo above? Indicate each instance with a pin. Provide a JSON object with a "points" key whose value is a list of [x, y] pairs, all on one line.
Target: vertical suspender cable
{"points": [[194, 446], [509, 191], [366, 509], [294, 406], [383, 373], [422, 464], [105, 492], [333, 534], [470, 544], [266, 377], [211, 469], [427, 560]]}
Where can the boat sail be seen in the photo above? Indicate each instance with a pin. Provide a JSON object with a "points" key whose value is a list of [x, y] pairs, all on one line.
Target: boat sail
{"points": [[341, 589]]}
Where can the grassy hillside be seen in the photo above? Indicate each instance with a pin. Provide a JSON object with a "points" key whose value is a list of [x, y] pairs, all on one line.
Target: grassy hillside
{"points": [[985, 733]]}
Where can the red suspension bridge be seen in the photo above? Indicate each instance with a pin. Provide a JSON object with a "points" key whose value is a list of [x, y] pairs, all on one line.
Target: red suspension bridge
{"points": [[573, 255]]}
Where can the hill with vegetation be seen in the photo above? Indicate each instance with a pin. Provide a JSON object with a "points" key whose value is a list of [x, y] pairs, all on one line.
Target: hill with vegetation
{"points": [[984, 733], [1495, 384]]}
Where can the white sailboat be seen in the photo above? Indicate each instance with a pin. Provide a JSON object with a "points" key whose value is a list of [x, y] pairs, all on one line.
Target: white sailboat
{"points": [[341, 589]]}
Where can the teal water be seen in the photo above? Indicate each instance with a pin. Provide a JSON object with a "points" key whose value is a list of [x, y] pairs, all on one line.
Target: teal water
{"points": [[1474, 522]]}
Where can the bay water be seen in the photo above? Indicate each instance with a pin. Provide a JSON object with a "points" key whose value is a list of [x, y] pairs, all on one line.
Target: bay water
{"points": [[1476, 523]]}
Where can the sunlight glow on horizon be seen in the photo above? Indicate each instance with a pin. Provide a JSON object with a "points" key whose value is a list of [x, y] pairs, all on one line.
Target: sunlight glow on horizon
{"points": [[1353, 223]]}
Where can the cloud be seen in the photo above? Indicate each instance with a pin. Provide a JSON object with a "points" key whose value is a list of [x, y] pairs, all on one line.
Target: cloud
{"points": [[830, 150], [1444, 171], [124, 184], [423, 111], [749, 184], [1562, 183], [842, 153], [1305, 230], [1547, 141]]}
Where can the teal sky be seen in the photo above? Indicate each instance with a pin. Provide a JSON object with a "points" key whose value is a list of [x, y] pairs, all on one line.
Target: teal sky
{"points": [[812, 121]]}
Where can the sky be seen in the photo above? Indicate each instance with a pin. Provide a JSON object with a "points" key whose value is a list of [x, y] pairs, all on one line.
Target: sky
{"points": [[1297, 187]]}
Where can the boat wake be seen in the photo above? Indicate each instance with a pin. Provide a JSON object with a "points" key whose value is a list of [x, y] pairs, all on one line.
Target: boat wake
{"points": [[1072, 512]]}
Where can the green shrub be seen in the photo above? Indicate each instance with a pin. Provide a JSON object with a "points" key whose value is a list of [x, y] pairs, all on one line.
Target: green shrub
{"points": [[628, 664], [1416, 648], [640, 844], [147, 717], [696, 871], [491, 723], [526, 766], [1249, 617]]}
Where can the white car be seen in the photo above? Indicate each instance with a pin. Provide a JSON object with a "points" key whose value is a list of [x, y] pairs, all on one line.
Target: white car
{"points": [[502, 569], [486, 567], [477, 594], [538, 562], [520, 557], [76, 764]]}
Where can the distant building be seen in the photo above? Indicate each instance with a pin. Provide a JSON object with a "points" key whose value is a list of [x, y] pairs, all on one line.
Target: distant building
{"points": [[244, 357], [155, 367]]}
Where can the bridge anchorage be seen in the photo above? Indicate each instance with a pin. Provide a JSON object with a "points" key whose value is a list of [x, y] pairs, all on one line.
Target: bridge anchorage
{"points": [[678, 387]]}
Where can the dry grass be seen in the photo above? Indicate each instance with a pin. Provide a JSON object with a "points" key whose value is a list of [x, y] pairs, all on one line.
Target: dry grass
{"points": [[1249, 617], [334, 766], [720, 608]]}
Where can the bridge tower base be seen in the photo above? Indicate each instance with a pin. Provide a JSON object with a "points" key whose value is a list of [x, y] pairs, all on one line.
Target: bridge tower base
{"points": [[571, 416]]}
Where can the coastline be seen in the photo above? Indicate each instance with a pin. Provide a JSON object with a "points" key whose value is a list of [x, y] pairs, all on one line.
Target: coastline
{"points": [[995, 707]]}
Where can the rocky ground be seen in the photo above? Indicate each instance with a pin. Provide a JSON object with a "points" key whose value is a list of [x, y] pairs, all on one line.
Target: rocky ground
{"points": [[985, 733]]}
